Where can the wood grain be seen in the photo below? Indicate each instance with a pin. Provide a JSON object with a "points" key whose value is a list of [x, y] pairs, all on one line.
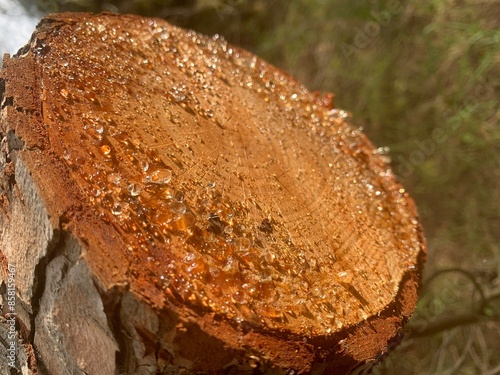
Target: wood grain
{"points": [[175, 203]]}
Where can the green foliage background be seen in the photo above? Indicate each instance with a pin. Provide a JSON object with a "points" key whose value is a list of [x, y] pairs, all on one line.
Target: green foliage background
{"points": [[423, 78]]}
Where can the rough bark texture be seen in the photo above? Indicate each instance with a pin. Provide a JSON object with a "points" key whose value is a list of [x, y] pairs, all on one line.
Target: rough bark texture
{"points": [[172, 204]]}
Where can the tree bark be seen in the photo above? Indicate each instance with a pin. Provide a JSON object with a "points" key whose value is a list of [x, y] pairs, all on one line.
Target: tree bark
{"points": [[172, 204]]}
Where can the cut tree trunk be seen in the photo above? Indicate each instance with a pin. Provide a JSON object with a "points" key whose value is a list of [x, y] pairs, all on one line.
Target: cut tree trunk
{"points": [[172, 204]]}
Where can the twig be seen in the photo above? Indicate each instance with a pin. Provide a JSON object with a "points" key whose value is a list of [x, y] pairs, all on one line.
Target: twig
{"points": [[463, 319]]}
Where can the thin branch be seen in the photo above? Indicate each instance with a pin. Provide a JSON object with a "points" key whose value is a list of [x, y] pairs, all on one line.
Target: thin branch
{"points": [[444, 324], [449, 322], [465, 273]]}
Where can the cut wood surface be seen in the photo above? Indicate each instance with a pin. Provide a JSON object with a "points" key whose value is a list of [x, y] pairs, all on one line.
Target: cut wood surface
{"points": [[173, 204]]}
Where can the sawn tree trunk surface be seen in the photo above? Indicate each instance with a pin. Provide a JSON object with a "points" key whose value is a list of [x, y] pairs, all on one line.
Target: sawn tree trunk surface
{"points": [[171, 204]]}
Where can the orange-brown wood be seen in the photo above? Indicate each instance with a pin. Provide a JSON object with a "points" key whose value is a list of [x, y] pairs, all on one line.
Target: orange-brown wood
{"points": [[230, 207]]}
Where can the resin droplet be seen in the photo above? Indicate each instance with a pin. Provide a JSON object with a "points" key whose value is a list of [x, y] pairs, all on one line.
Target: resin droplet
{"points": [[99, 129], [114, 178], [177, 208], [178, 95], [144, 166], [134, 189], [105, 149], [117, 209], [345, 276], [160, 176], [243, 244]]}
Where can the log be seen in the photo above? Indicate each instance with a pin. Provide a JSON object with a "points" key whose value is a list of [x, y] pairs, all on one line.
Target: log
{"points": [[171, 204]]}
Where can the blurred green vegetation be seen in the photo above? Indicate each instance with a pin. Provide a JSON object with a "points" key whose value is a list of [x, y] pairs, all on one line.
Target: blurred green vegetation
{"points": [[423, 78]]}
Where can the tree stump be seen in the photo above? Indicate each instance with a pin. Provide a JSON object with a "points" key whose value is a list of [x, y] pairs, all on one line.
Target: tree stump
{"points": [[171, 204]]}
